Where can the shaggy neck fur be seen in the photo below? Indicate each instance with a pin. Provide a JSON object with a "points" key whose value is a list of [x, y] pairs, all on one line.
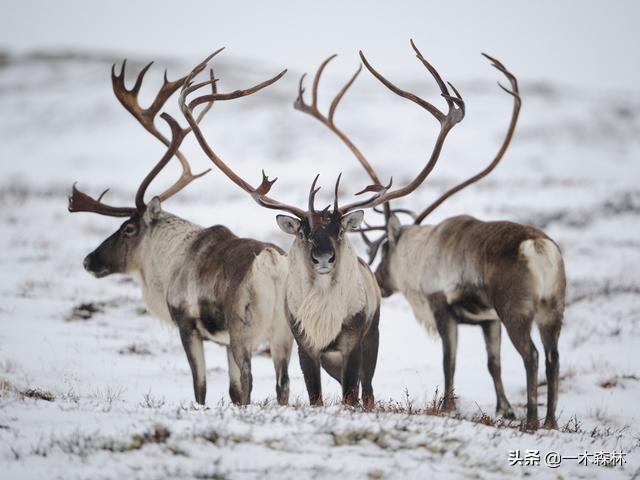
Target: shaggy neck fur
{"points": [[321, 303], [163, 245]]}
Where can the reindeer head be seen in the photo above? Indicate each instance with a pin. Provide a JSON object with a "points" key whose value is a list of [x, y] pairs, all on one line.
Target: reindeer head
{"points": [[320, 235], [117, 254]]}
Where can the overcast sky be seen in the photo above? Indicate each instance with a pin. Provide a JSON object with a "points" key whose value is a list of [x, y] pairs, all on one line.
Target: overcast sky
{"points": [[590, 43]]}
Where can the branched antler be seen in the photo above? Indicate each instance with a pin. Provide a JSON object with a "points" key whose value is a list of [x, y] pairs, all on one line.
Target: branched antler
{"points": [[81, 202]]}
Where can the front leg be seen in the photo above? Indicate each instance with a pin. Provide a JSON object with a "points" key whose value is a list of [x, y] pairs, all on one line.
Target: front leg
{"points": [[448, 330], [351, 375], [370, 344], [310, 365]]}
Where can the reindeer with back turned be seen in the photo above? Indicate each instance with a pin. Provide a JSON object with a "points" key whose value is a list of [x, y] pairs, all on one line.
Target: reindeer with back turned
{"points": [[208, 282], [465, 270], [332, 298]]}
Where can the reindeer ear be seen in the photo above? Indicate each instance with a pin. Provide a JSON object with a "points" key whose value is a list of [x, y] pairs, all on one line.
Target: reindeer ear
{"points": [[288, 224], [394, 229], [352, 221], [153, 210]]}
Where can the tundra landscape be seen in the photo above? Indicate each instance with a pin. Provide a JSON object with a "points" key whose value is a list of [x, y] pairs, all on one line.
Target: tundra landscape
{"points": [[93, 386]]}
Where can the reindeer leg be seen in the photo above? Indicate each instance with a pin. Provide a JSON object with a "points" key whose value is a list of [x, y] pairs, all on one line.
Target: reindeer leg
{"points": [[549, 333], [242, 357], [235, 386], [310, 366], [492, 333], [280, 354], [448, 330], [351, 375], [369, 360], [519, 330], [193, 347]]}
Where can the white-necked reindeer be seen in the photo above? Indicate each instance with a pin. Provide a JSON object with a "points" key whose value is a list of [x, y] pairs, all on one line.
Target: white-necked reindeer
{"points": [[332, 300], [464, 270], [208, 282]]}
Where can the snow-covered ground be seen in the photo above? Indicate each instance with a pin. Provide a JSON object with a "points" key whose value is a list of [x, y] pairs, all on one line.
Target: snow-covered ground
{"points": [[93, 386]]}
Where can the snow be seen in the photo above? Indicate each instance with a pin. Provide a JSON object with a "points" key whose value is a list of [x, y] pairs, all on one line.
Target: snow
{"points": [[123, 401]]}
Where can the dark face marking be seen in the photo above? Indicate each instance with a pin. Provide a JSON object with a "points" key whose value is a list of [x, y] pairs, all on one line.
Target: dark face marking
{"points": [[321, 235], [322, 242], [114, 254]]}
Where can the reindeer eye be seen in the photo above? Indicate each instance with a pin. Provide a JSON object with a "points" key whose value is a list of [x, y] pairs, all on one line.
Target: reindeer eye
{"points": [[129, 229]]}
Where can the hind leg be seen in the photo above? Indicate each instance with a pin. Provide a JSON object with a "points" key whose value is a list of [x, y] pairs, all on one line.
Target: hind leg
{"points": [[235, 386], [280, 354], [242, 357], [370, 345], [549, 334], [519, 330], [492, 334]]}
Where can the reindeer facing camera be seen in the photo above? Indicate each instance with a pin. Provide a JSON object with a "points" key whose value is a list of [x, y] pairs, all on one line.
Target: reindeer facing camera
{"points": [[332, 298], [208, 282]]}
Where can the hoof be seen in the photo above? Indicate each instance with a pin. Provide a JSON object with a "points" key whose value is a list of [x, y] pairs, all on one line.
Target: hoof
{"points": [[550, 424], [532, 424], [283, 399], [449, 405], [507, 414], [350, 401]]}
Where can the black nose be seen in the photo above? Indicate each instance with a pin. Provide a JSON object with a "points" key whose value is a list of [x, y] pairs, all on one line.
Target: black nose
{"points": [[86, 263], [325, 257]]}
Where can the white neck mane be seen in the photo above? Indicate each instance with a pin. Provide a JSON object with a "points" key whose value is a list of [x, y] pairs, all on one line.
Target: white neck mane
{"points": [[321, 305]]}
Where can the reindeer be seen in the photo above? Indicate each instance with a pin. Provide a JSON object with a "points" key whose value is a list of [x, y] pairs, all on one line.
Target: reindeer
{"points": [[208, 282], [467, 271], [332, 298]]}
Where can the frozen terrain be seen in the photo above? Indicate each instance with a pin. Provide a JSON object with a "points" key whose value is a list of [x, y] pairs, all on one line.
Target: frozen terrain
{"points": [[91, 386]]}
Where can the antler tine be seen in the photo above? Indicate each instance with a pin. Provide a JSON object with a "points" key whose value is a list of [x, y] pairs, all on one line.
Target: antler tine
{"points": [[146, 117], [338, 97], [316, 81], [335, 195], [187, 176], [81, 202], [189, 87], [312, 195], [258, 194], [515, 93], [129, 98], [405, 211], [454, 102], [372, 246], [312, 109], [374, 200], [177, 135], [454, 115]]}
